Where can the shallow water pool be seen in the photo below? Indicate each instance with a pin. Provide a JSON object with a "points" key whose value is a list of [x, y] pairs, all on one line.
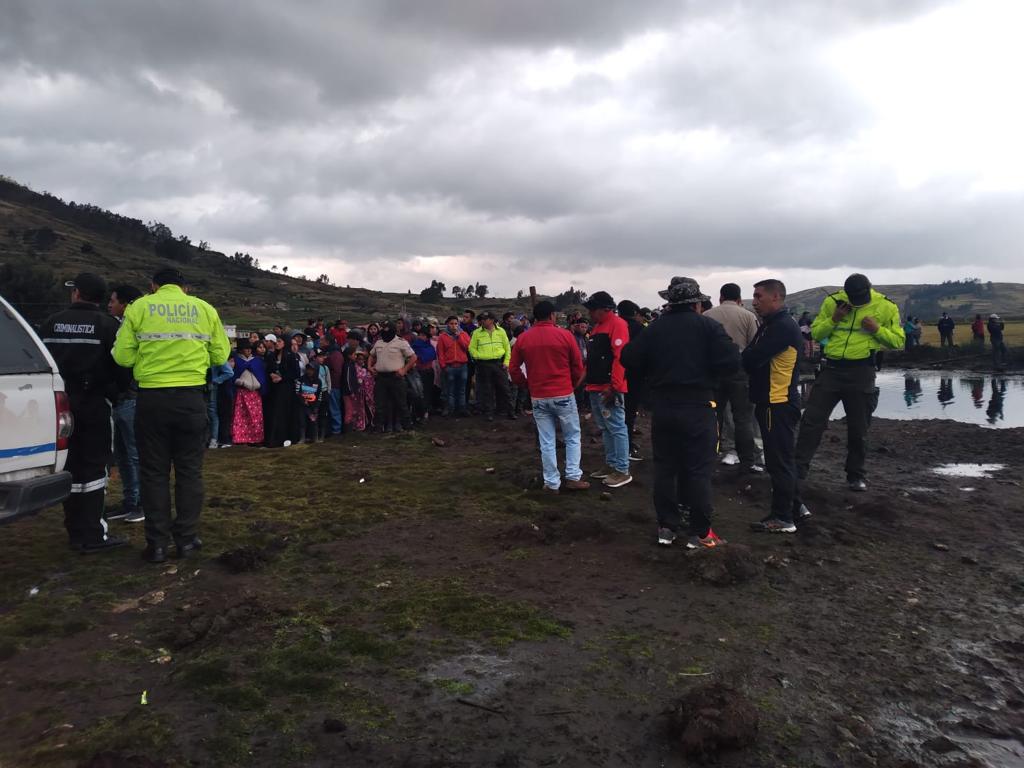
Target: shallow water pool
{"points": [[973, 398]]}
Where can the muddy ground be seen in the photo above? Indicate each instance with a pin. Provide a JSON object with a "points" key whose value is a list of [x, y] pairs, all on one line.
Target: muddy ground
{"points": [[394, 602]]}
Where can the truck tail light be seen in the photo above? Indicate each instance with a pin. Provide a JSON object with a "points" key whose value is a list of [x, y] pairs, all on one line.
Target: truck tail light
{"points": [[65, 420]]}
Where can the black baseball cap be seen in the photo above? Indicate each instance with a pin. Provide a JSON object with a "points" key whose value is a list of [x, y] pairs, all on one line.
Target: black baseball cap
{"points": [[858, 289], [600, 300], [90, 285], [168, 276]]}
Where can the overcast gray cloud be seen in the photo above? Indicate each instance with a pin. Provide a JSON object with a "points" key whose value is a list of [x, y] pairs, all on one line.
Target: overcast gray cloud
{"points": [[611, 143]]}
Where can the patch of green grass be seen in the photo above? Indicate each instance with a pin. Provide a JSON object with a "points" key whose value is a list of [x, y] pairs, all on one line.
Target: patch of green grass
{"points": [[448, 605], [140, 731], [519, 553], [454, 687]]}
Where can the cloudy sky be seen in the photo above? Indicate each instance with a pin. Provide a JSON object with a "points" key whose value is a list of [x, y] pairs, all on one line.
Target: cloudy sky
{"points": [[608, 145]]}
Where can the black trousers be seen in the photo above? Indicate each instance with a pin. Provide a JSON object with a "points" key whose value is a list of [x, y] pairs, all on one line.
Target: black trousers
{"points": [[683, 438], [390, 396], [778, 423], [734, 393], [90, 450], [492, 387], [855, 387], [170, 430]]}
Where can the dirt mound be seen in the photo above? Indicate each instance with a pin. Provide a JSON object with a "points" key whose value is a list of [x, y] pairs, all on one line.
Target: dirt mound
{"points": [[117, 760], [712, 718], [731, 564], [582, 528]]}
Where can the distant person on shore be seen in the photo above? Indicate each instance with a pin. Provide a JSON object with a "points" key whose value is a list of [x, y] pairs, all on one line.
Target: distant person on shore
{"points": [[978, 332], [858, 321], [995, 336], [908, 331], [946, 326], [553, 369], [733, 391]]}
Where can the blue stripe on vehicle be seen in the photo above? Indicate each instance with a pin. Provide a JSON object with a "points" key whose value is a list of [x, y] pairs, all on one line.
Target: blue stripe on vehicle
{"points": [[28, 450]]}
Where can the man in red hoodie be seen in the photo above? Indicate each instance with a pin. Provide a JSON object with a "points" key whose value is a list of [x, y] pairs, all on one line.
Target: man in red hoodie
{"points": [[554, 367], [453, 359], [606, 385]]}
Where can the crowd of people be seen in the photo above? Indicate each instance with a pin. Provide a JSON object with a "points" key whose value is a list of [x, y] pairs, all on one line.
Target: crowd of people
{"points": [[174, 387]]}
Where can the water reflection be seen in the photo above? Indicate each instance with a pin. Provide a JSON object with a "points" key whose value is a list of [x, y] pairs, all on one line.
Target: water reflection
{"points": [[995, 402], [969, 397]]}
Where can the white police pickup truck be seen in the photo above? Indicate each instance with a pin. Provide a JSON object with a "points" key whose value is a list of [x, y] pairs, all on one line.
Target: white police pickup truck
{"points": [[35, 421]]}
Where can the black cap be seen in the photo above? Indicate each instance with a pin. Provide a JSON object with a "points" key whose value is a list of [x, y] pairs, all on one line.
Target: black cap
{"points": [[628, 308], [485, 316], [858, 289], [600, 300], [168, 276], [90, 285]]}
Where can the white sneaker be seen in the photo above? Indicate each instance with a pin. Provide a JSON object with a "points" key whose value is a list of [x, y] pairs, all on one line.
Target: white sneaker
{"points": [[730, 458], [213, 444]]}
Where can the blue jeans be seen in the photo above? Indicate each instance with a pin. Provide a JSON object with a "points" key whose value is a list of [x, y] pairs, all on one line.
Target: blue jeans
{"points": [[212, 415], [125, 452], [548, 413], [455, 387], [337, 409], [612, 421]]}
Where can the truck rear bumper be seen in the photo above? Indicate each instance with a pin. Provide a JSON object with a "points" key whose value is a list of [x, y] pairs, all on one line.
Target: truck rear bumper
{"points": [[22, 497]]}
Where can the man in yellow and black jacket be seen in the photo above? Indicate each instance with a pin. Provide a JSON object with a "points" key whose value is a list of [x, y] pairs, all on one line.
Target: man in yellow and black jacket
{"points": [[171, 340], [771, 362], [857, 322]]}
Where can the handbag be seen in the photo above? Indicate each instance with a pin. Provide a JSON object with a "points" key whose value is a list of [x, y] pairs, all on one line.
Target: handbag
{"points": [[248, 381]]}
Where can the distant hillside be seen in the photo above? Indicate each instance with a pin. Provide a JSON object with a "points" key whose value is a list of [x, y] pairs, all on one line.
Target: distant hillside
{"points": [[45, 241], [962, 299]]}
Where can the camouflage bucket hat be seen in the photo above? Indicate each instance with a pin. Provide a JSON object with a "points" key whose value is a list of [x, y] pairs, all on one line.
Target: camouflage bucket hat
{"points": [[683, 290]]}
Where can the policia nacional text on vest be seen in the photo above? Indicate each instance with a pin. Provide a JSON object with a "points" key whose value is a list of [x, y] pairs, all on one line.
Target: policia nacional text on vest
{"points": [[80, 339], [170, 340], [857, 322]]}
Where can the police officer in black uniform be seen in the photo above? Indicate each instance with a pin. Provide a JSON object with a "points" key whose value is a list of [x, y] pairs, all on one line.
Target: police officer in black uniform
{"points": [[80, 339]]}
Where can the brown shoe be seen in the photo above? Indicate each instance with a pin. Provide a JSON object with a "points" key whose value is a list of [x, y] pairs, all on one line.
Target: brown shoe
{"points": [[575, 485], [549, 489], [617, 479]]}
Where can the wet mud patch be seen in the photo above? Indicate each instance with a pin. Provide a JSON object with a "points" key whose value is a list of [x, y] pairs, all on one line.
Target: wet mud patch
{"points": [[723, 566], [711, 719], [585, 528], [251, 557], [202, 622]]}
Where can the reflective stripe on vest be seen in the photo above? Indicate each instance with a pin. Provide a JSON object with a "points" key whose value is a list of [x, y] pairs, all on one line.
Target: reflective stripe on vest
{"points": [[172, 336]]}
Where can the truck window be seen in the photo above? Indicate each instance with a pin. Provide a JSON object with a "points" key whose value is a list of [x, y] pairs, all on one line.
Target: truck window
{"points": [[18, 352]]}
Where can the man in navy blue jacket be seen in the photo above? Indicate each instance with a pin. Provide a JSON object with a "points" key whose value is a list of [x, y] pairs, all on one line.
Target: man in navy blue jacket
{"points": [[771, 361]]}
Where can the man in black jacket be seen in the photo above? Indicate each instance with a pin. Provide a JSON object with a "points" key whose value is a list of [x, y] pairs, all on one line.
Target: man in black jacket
{"points": [[771, 360], [680, 356], [80, 339]]}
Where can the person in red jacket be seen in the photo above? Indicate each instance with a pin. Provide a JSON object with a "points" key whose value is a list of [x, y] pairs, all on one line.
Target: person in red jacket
{"points": [[554, 367], [452, 359], [606, 386]]}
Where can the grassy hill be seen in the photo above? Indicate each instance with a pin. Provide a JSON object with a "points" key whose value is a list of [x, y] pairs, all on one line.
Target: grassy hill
{"points": [[961, 299], [45, 241]]}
